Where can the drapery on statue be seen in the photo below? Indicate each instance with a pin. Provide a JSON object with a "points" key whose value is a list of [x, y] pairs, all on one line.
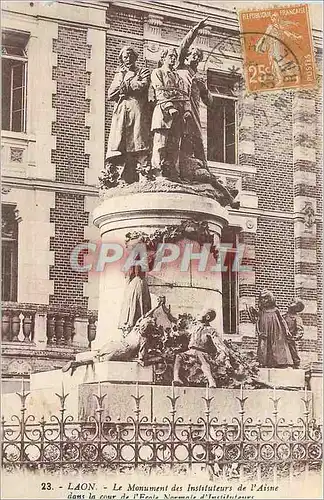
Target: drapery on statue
{"points": [[137, 299], [296, 328], [128, 143], [168, 115], [273, 333]]}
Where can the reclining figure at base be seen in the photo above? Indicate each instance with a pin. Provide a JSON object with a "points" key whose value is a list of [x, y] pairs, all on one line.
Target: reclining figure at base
{"points": [[144, 341]]}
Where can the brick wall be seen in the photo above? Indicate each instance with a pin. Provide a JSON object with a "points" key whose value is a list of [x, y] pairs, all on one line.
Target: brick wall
{"points": [[71, 161], [274, 256], [71, 104], [128, 21], [273, 150], [70, 219]]}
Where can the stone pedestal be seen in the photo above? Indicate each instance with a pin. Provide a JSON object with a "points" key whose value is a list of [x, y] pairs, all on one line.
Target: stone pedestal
{"points": [[122, 380], [105, 371], [155, 403], [285, 377], [186, 288]]}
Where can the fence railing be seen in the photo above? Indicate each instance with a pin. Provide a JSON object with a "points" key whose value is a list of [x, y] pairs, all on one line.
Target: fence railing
{"points": [[240, 448]]}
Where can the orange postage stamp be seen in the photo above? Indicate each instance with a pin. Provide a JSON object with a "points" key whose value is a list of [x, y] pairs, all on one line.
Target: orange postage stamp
{"points": [[277, 48]]}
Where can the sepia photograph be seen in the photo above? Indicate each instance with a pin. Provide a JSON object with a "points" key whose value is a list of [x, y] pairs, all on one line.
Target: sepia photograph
{"points": [[162, 250]]}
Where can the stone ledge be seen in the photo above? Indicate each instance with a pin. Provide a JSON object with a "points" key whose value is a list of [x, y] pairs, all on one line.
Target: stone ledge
{"points": [[288, 377], [105, 371], [160, 185]]}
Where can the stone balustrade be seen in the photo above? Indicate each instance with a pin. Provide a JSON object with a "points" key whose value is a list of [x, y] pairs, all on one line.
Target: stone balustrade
{"points": [[29, 323]]}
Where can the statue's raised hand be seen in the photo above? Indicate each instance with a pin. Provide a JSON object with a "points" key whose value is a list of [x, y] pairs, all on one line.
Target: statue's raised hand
{"points": [[202, 23]]}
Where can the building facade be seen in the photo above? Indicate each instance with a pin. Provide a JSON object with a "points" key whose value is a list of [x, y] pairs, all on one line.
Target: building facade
{"points": [[59, 59]]}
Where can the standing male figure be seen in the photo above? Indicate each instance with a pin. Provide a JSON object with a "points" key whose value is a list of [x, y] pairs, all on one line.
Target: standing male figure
{"points": [[128, 141], [167, 121], [195, 88], [273, 333]]}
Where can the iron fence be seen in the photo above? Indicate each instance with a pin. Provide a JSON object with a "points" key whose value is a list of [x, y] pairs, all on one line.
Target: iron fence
{"points": [[239, 448]]}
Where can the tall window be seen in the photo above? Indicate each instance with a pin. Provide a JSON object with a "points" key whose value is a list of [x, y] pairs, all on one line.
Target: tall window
{"points": [[14, 80], [221, 119], [9, 253], [230, 282]]}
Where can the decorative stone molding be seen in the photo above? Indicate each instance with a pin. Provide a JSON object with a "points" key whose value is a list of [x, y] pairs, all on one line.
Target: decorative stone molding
{"points": [[16, 155], [204, 37], [19, 367], [153, 27], [152, 51], [95, 118], [309, 215]]}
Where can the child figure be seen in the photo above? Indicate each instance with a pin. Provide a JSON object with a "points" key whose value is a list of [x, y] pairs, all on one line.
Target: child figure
{"points": [[296, 328]]}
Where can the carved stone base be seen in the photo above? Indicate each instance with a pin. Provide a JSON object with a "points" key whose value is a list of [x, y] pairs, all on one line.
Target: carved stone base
{"points": [[105, 371], [81, 402], [160, 185], [155, 402], [187, 290]]}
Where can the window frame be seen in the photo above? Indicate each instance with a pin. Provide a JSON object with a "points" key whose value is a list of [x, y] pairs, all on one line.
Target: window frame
{"points": [[223, 96], [12, 244], [233, 251], [23, 59]]}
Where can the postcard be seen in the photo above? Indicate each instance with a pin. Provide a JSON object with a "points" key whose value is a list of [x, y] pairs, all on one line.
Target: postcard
{"points": [[162, 250]]}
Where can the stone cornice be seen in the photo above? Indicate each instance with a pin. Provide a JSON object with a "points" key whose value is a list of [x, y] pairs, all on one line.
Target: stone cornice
{"points": [[24, 350], [48, 185], [186, 11]]}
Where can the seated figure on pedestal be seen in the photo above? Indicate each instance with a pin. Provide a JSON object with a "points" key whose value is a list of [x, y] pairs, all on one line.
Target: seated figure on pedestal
{"points": [[273, 333], [128, 143]]}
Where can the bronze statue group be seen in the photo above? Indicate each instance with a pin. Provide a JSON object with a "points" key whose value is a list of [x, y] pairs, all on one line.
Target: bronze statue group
{"points": [[165, 142], [189, 351]]}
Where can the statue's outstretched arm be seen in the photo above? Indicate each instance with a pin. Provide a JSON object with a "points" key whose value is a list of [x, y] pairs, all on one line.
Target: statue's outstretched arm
{"points": [[188, 40]]}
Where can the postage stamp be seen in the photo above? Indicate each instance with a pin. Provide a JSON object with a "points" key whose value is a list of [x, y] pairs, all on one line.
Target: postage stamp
{"points": [[277, 48]]}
